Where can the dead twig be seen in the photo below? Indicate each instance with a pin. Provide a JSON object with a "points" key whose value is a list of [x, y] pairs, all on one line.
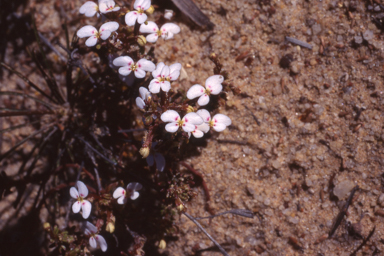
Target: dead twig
{"points": [[241, 212], [365, 241], [342, 213]]}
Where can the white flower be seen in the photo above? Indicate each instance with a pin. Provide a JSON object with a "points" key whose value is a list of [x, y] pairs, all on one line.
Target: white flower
{"points": [[106, 6], [145, 96], [120, 194], [187, 123], [168, 14], [162, 76], [128, 65], [166, 31], [212, 86], [80, 194], [219, 121], [140, 6], [90, 8], [199, 130], [104, 32], [95, 239]]}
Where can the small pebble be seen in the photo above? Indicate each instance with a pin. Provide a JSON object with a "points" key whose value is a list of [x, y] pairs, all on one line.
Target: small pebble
{"points": [[380, 200], [358, 39], [342, 189], [368, 35]]}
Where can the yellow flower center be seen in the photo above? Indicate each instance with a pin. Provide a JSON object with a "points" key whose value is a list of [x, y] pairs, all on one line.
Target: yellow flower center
{"points": [[139, 10], [133, 67]]}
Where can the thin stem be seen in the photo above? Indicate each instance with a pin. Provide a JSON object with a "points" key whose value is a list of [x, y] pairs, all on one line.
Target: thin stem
{"points": [[207, 234]]}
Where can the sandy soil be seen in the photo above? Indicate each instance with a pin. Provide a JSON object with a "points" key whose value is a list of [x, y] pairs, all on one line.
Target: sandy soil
{"points": [[318, 134]]}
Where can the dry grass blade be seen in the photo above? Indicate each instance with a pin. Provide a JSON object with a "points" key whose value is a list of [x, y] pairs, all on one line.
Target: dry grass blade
{"points": [[190, 9], [11, 150], [15, 93], [28, 82], [17, 127]]}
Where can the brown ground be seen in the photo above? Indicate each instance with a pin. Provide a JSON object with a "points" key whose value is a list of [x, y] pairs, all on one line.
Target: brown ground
{"points": [[320, 133]]}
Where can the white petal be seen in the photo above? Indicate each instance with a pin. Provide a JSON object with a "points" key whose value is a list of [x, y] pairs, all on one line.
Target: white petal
{"points": [[119, 192], [134, 186], [102, 242], [111, 26], [123, 61], [146, 4], [86, 31], [170, 116], [172, 127], [140, 103], [170, 27], [193, 118], [195, 91], [121, 200], [83, 190], [142, 17], [223, 119], [158, 69], [187, 127], [144, 93], [105, 34], [116, 9], [92, 242], [174, 71], [154, 86], [130, 18], [204, 127], [124, 71], [151, 27], [76, 207], [203, 100], [140, 73], [152, 38], [197, 133], [73, 192], [164, 72], [166, 35], [160, 161], [86, 207], [88, 9], [135, 195], [204, 114], [146, 65], [138, 4], [150, 160], [165, 86], [92, 41], [219, 127], [90, 228], [213, 83]]}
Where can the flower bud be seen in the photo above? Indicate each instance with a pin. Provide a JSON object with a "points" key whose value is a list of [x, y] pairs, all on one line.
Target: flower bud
{"points": [[110, 227], [46, 225], [168, 14], [150, 10], [190, 109], [144, 152], [162, 244], [180, 207], [141, 40]]}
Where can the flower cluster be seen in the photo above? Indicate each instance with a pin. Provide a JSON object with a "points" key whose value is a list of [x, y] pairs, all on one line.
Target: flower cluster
{"points": [[162, 108], [200, 122]]}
